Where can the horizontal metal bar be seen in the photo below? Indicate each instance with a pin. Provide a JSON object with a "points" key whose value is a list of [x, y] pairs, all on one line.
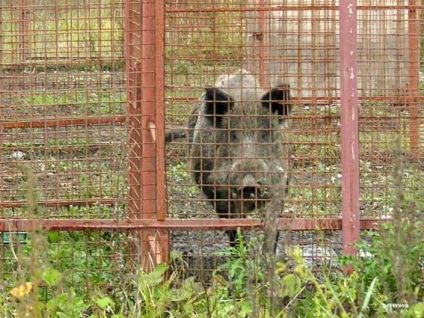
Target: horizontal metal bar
{"points": [[57, 62], [63, 202], [325, 100], [122, 119], [293, 224], [63, 122], [45, 147], [293, 8]]}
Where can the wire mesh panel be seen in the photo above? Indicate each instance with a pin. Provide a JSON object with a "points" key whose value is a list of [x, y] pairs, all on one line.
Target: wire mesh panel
{"points": [[264, 145], [146, 169], [63, 104], [252, 99], [391, 113], [63, 139], [243, 49]]}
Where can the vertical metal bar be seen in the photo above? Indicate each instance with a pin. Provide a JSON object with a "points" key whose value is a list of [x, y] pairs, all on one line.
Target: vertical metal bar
{"points": [[132, 36], [144, 38], [148, 109], [349, 125], [161, 198], [2, 104], [413, 46], [23, 34], [148, 113], [161, 203], [153, 157], [1, 119], [133, 68], [140, 50], [263, 38]]}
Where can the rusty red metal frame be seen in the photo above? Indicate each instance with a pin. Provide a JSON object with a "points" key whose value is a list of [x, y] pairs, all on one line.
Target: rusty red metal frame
{"points": [[300, 8], [413, 42], [349, 125], [65, 122], [144, 36], [262, 48], [24, 35], [146, 124], [292, 224]]}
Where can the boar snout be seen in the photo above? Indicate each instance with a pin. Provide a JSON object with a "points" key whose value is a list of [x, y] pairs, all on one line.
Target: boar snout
{"points": [[248, 189], [250, 195]]}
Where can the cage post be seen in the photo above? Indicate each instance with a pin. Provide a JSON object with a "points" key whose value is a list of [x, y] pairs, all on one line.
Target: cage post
{"points": [[153, 127], [23, 34], [159, 107], [147, 195], [1, 113], [413, 43], [349, 125]]}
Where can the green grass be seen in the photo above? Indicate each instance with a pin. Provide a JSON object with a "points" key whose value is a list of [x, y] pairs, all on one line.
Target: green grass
{"points": [[76, 274], [83, 31], [92, 30], [71, 103], [240, 287]]}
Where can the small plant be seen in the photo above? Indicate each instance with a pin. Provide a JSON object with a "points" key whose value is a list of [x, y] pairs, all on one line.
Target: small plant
{"points": [[241, 264], [255, 290]]}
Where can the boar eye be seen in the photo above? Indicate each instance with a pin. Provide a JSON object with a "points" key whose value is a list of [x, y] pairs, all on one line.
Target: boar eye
{"points": [[265, 136], [233, 136]]}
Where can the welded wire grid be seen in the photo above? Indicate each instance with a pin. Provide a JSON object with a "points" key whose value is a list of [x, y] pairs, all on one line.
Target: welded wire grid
{"points": [[297, 43], [391, 98], [63, 138], [63, 135], [63, 107], [279, 43]]}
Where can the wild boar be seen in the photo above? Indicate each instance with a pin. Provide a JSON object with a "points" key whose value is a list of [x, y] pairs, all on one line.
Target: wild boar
{"points": [[237, 151]]}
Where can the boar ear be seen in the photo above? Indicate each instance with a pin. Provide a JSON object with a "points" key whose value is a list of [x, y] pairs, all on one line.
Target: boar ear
{"points": [[278, 101], [217, 104]]}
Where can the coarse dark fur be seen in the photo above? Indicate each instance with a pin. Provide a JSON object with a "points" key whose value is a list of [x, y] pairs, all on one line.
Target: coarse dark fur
{"points": [[237, 151]]}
